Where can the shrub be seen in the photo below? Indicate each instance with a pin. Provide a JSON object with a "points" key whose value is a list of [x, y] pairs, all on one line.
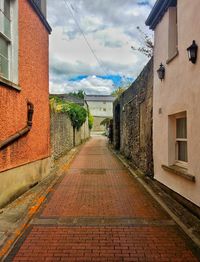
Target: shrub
{"points": [[76, 113]]}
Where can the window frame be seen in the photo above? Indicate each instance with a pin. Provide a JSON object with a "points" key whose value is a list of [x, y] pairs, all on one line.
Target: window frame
{"points": [[178, 162], [6, 38], [12, 79]]}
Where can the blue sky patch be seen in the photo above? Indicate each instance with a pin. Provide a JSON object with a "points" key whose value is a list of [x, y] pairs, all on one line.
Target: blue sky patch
{"points": [[78, 78], [143, 2], [116, 79]]}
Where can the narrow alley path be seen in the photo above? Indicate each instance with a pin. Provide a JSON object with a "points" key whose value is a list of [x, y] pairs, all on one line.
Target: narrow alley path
{"points": [[98, 212]]}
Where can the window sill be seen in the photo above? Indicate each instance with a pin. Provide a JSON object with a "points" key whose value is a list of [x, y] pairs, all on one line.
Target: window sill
{"points": [[180, 171], [172, 58], [9, 84]]}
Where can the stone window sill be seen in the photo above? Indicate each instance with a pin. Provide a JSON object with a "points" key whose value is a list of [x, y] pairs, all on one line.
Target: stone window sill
{"points": [[180, 171], [172, 58], [9, 84]]}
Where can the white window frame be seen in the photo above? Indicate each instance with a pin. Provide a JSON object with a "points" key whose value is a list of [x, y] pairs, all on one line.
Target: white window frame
{"points": [[178, 162], [13, 44]]}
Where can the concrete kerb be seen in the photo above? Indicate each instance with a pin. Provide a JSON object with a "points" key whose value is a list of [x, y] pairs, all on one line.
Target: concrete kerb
{"points": [[159, 200], [32, 208]]}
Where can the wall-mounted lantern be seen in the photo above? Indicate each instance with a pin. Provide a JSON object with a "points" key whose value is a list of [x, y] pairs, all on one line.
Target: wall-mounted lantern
{"points": [[161, 72], [192, 52]]}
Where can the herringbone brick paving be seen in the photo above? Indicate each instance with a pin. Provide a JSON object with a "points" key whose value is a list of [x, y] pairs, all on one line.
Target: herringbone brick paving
{"points": [[97, 188]]}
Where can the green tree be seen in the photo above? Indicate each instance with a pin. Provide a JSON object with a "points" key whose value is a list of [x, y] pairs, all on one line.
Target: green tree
{"points": [[80, 94]]}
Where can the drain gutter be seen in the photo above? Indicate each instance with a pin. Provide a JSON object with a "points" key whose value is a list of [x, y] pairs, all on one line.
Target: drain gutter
{"points": [[22, 132]]}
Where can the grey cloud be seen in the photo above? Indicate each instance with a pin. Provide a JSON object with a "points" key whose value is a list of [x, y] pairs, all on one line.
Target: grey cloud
{"points": [[94, 18], [111, 44], [111, 13], [62, 71]]}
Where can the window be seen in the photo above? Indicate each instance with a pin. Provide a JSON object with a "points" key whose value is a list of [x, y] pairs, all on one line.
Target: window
{"points": [[104, 109], [172, 33], [177, 139], [181, 139], [9, 40], [5, 37]]}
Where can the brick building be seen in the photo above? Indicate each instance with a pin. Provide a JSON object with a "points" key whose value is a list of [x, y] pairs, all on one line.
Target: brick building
{"points": [[24, 82]]}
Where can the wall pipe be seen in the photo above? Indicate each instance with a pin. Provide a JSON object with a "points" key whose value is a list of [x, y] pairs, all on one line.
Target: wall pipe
{"points": [[22, 132]]}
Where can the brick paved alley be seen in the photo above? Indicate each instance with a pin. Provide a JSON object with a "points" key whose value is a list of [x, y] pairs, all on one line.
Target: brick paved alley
{"points": [[99, 212]]}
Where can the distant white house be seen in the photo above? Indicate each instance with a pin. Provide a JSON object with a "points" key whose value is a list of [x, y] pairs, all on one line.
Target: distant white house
{"points": [[101, 107]]}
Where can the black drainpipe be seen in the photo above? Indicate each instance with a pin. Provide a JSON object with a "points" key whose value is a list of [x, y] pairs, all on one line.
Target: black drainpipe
{"points": [[22, 132]]}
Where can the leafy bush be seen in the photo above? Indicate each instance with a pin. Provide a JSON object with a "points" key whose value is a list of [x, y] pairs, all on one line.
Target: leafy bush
{"points": [[90, 120], [76, 113]]}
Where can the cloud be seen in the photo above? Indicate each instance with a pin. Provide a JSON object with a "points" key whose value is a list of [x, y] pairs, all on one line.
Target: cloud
{"points": [[91, 85], [110, 30]]}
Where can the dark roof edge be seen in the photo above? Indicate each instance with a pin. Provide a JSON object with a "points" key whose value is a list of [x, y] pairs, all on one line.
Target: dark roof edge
{"points": [[95, 100], [158, 11], [100, 95], [41, 16]]}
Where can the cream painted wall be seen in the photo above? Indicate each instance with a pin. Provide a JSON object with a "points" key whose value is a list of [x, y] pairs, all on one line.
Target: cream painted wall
{"points": [[100, 108], [16, 181], [179, 91]]}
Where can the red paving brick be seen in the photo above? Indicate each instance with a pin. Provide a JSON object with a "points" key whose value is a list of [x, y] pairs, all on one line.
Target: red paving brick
{"points": [[110, 243], [112, 194], [98, 186]]}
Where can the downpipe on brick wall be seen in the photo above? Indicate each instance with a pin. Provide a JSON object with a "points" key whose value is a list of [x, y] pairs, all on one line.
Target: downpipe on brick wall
{"points": [[22, 132]]}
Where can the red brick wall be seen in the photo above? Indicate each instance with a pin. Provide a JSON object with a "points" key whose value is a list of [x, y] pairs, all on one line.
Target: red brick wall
{"points": [[34, 83]]}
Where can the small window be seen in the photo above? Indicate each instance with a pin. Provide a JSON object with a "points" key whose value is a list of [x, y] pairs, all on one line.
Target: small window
{"points": [[172, 33], [181, 139], [104, 109]]}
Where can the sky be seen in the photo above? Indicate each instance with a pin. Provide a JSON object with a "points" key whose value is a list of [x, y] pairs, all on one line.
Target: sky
{"points": [[90, 44]]}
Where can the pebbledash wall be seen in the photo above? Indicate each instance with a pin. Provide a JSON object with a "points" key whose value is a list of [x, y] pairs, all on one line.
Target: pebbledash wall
{"points": [[62, 134], [132, 121], [27, 160]]}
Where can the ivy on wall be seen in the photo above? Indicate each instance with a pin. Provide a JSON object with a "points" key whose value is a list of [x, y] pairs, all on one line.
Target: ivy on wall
{"points": [[76, 113]]}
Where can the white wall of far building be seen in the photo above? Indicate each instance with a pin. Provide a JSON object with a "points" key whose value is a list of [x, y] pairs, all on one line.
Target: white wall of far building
{"points": [[100, 108]]}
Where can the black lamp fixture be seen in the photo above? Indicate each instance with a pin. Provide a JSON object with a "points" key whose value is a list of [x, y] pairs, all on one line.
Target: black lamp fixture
{"points": [[192, 52], [161, 72]]}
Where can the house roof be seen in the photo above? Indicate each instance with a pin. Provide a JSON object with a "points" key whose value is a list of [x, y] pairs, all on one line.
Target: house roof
{"points": [[70, 98], [99, 98], [158, 12], [40, 14]]}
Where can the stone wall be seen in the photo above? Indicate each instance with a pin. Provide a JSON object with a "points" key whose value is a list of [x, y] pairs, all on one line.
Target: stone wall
{"points": [[132, 123], [62, 138]]}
